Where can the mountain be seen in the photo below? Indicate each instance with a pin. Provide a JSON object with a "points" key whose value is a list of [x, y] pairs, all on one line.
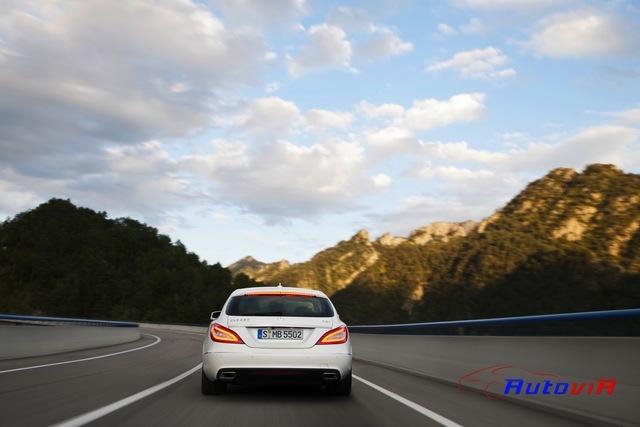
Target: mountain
{"points": [[336, 267], [569, 241], [331, 269], [257, 270], [246, 264], [62, 260]]}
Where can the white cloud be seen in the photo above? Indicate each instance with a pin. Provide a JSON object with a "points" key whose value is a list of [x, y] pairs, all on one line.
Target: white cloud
{"points": [[381, 180], [382, 43], [264, 117], [263, 13], [391, 139], [350, 18], [271, 116], [446, 30], [459, 152], [88, 74], [321, 119], [370, 111], [417, 210], [328, 47], [452, 173], [281, 180], [595, 144], [426, 114], [628, 117], [524, 5], [473, 26], [273, 87], [484, 63], [585, 33]]}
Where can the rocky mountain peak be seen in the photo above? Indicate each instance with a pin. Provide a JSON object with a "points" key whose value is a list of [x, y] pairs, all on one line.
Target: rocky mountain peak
{"points": [[387, 239], [362, 236], [441, 231]]}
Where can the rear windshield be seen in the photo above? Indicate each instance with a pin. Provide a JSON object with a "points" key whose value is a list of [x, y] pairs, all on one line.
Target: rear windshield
{"points": [[279, 305]]}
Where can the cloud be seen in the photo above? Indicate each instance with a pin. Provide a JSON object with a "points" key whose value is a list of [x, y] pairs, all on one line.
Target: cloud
{"points": [[452, 173], [391, 139], [84, 75], [322, 119], [583, 34], [473, 26], [382, 43], [350, 18], [524, 5], [381, 180], [628, 117], [328, 47], [270, 116], [459, 152], [371, 111], [446, 30], [273, 87], [417, 210], [484, 63], [425, 114], [282, 180], [263, 13], [595, 144]]}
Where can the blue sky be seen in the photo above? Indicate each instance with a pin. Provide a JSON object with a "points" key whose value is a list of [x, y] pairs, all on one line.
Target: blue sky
{"points": [[277, 128]]}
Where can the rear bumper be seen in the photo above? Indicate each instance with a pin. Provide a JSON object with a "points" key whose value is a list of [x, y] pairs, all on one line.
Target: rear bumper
{"points": [[261, 365], [257, 376]]}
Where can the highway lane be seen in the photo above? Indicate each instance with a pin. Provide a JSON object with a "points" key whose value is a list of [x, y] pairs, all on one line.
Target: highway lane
{"points": [[53, 394]]}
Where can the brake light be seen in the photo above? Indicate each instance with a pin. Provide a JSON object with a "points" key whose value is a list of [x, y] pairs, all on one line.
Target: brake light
{"points": [[225, 335], [338, 335], [279, 293]]}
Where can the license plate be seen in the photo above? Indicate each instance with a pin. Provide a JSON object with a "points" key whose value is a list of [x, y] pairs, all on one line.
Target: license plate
{"points": [[280, 334]]}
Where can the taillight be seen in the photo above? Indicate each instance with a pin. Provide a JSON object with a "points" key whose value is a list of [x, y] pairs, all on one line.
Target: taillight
{"points": [[338, 335], [221, 334]]}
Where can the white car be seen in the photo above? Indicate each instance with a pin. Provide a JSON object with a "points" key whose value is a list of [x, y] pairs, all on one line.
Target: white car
{"points": [[277, 335]]}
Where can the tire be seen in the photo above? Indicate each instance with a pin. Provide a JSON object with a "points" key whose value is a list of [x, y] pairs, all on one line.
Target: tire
{"points": [[212, 387], [342, 388]]}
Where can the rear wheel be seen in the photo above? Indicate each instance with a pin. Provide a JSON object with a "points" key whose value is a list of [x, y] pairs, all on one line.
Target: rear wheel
{"points": [[341, 388], [212, 387]]}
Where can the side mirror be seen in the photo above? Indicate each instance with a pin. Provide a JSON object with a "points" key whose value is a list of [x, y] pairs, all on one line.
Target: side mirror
{"points": [[215, 314]]}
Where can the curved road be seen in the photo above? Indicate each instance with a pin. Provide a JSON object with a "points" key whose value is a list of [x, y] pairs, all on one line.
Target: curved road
{"points": [[100, 383]]}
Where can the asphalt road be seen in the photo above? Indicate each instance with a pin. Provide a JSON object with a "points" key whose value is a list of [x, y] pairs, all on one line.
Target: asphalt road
{"points": [[60, 392]]}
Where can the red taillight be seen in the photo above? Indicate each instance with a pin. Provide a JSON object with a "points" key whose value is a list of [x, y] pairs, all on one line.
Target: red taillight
{"points": [[338, 335], [279, 294], [221, 334]]}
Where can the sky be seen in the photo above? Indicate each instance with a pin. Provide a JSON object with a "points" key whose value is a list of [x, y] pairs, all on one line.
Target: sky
{"points": [[276, 128]]}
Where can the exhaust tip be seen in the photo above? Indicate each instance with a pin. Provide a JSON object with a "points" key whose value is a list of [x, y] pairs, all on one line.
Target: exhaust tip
{"points": [[330, 376], [227, 375]]}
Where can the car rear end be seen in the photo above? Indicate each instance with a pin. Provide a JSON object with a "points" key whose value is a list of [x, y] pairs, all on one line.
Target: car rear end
{"points": [[277, 335]]}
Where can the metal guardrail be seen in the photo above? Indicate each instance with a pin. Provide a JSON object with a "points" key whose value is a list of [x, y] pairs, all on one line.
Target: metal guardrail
{"points": [[40, 320], [521, 324]]}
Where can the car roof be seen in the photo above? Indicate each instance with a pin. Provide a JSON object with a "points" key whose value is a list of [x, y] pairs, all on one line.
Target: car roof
{"points": [[278, 289]]}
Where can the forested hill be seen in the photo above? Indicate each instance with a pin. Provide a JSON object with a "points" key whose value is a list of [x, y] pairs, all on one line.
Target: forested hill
{"points": [[62, 260], [570, 241]]}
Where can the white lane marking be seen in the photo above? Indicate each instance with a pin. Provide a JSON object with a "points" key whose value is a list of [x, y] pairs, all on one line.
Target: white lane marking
{"points": [[158, 339], [413, 405], [83, 419]]}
